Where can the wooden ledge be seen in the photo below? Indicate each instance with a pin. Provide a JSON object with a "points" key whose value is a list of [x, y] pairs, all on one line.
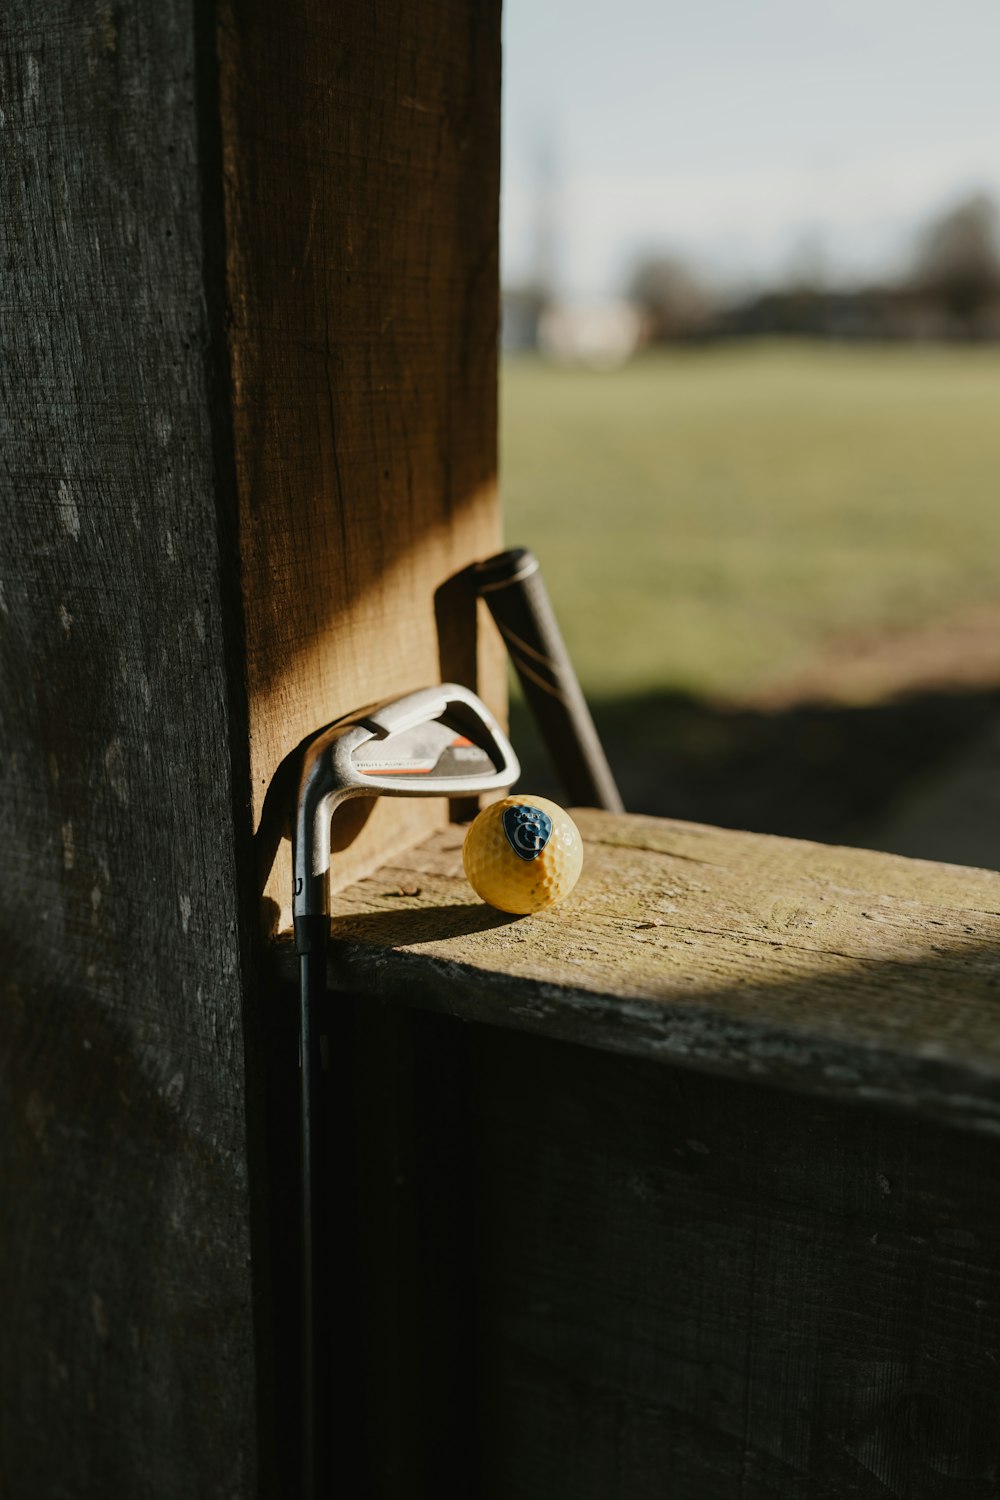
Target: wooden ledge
{"points": [[838, 971]]}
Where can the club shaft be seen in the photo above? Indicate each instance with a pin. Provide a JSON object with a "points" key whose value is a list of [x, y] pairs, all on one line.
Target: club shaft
{"points": [[512, 585], [311, 939], [306, 1308]]}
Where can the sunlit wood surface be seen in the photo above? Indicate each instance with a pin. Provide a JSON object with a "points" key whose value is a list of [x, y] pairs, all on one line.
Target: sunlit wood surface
{"points": [[843, 971]]}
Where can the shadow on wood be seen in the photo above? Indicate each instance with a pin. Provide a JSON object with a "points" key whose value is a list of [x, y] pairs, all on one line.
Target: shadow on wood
{"points": [[584, 1275]]}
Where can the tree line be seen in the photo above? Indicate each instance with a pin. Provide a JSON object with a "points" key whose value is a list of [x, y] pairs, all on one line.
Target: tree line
{"points": [[950, 290]]}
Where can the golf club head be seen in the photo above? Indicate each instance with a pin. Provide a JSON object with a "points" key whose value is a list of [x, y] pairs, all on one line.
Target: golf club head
{"points": [[439, 742]]}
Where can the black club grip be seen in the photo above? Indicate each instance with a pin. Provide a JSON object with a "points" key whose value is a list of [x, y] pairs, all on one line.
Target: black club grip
{"points": [[511, 583]]}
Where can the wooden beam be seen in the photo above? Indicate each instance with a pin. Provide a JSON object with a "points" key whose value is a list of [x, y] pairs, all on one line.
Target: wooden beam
{"points": [[777, 1281], [249, 437], [840, 971], [128, 1341], [362, 190]]}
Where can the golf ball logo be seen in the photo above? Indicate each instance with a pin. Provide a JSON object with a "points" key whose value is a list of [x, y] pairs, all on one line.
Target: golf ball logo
{"points": [[528, 830]]}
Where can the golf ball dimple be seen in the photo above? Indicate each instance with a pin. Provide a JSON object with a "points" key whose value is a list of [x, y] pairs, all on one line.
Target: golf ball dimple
{"points": [[523, 854]]}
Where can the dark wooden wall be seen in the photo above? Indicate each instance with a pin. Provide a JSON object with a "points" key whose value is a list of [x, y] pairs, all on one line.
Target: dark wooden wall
{"points": [[248, 371], [664, 1284], [718, 1291], [127, 1333]]}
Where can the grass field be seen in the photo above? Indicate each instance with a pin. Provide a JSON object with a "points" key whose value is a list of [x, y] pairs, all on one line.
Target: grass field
{"points": [[714, 520]]}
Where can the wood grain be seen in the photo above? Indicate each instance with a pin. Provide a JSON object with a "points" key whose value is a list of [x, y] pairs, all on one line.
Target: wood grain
{"points": [[128, 1361], [840, 971], [414, 1286], [705, 1289], [249, 361], [362, 187]]}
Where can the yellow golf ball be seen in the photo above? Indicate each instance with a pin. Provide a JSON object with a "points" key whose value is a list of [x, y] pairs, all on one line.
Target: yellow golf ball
{"points": [[523, 854]]}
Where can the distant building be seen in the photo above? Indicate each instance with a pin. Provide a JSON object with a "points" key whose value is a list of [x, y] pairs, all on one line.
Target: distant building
{"points": [[600, 334]]}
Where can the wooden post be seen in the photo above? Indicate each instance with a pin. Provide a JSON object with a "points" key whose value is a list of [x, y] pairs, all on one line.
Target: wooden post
{"points": [[362, 188], [249, 380]]}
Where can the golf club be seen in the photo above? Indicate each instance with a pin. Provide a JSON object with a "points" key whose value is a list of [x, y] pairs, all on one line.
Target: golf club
{"points": [[439, 742], [512, 585]]}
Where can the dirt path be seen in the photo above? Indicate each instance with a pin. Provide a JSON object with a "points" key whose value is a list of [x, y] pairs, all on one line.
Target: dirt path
{"points": [[956, 656]]}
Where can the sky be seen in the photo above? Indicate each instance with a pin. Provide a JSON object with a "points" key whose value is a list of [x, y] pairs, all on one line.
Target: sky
{"points": [[751, 137]]}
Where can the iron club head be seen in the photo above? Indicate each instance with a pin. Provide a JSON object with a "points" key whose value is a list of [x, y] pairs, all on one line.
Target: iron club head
{"points": [[439, 742]]}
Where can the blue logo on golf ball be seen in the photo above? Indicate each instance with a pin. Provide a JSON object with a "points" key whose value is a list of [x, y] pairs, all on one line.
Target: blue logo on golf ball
{"points": [[528, 830]]}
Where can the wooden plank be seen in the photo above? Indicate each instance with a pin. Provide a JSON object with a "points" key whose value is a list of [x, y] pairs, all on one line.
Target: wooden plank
{"points": [[128, 1364], [362, 187], [414, 1288], [700, 1288], [840, 971]]}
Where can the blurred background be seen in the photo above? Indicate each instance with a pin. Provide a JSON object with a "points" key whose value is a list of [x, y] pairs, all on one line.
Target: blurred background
{"points": [[750, 403]]}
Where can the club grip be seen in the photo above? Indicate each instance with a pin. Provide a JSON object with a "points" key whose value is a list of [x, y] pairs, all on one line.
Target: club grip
{"points": [[511, 583]]}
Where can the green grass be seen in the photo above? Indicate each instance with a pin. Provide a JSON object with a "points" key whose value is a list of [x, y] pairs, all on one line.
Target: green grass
{"points": [[710, 520]]}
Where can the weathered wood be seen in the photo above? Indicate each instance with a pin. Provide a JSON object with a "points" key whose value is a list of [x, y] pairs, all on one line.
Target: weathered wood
{"points": [[362, 190], [413, 1192], [127, 1364], [249, 368], [664, 1283], [841, 971], [699, 1288]]}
